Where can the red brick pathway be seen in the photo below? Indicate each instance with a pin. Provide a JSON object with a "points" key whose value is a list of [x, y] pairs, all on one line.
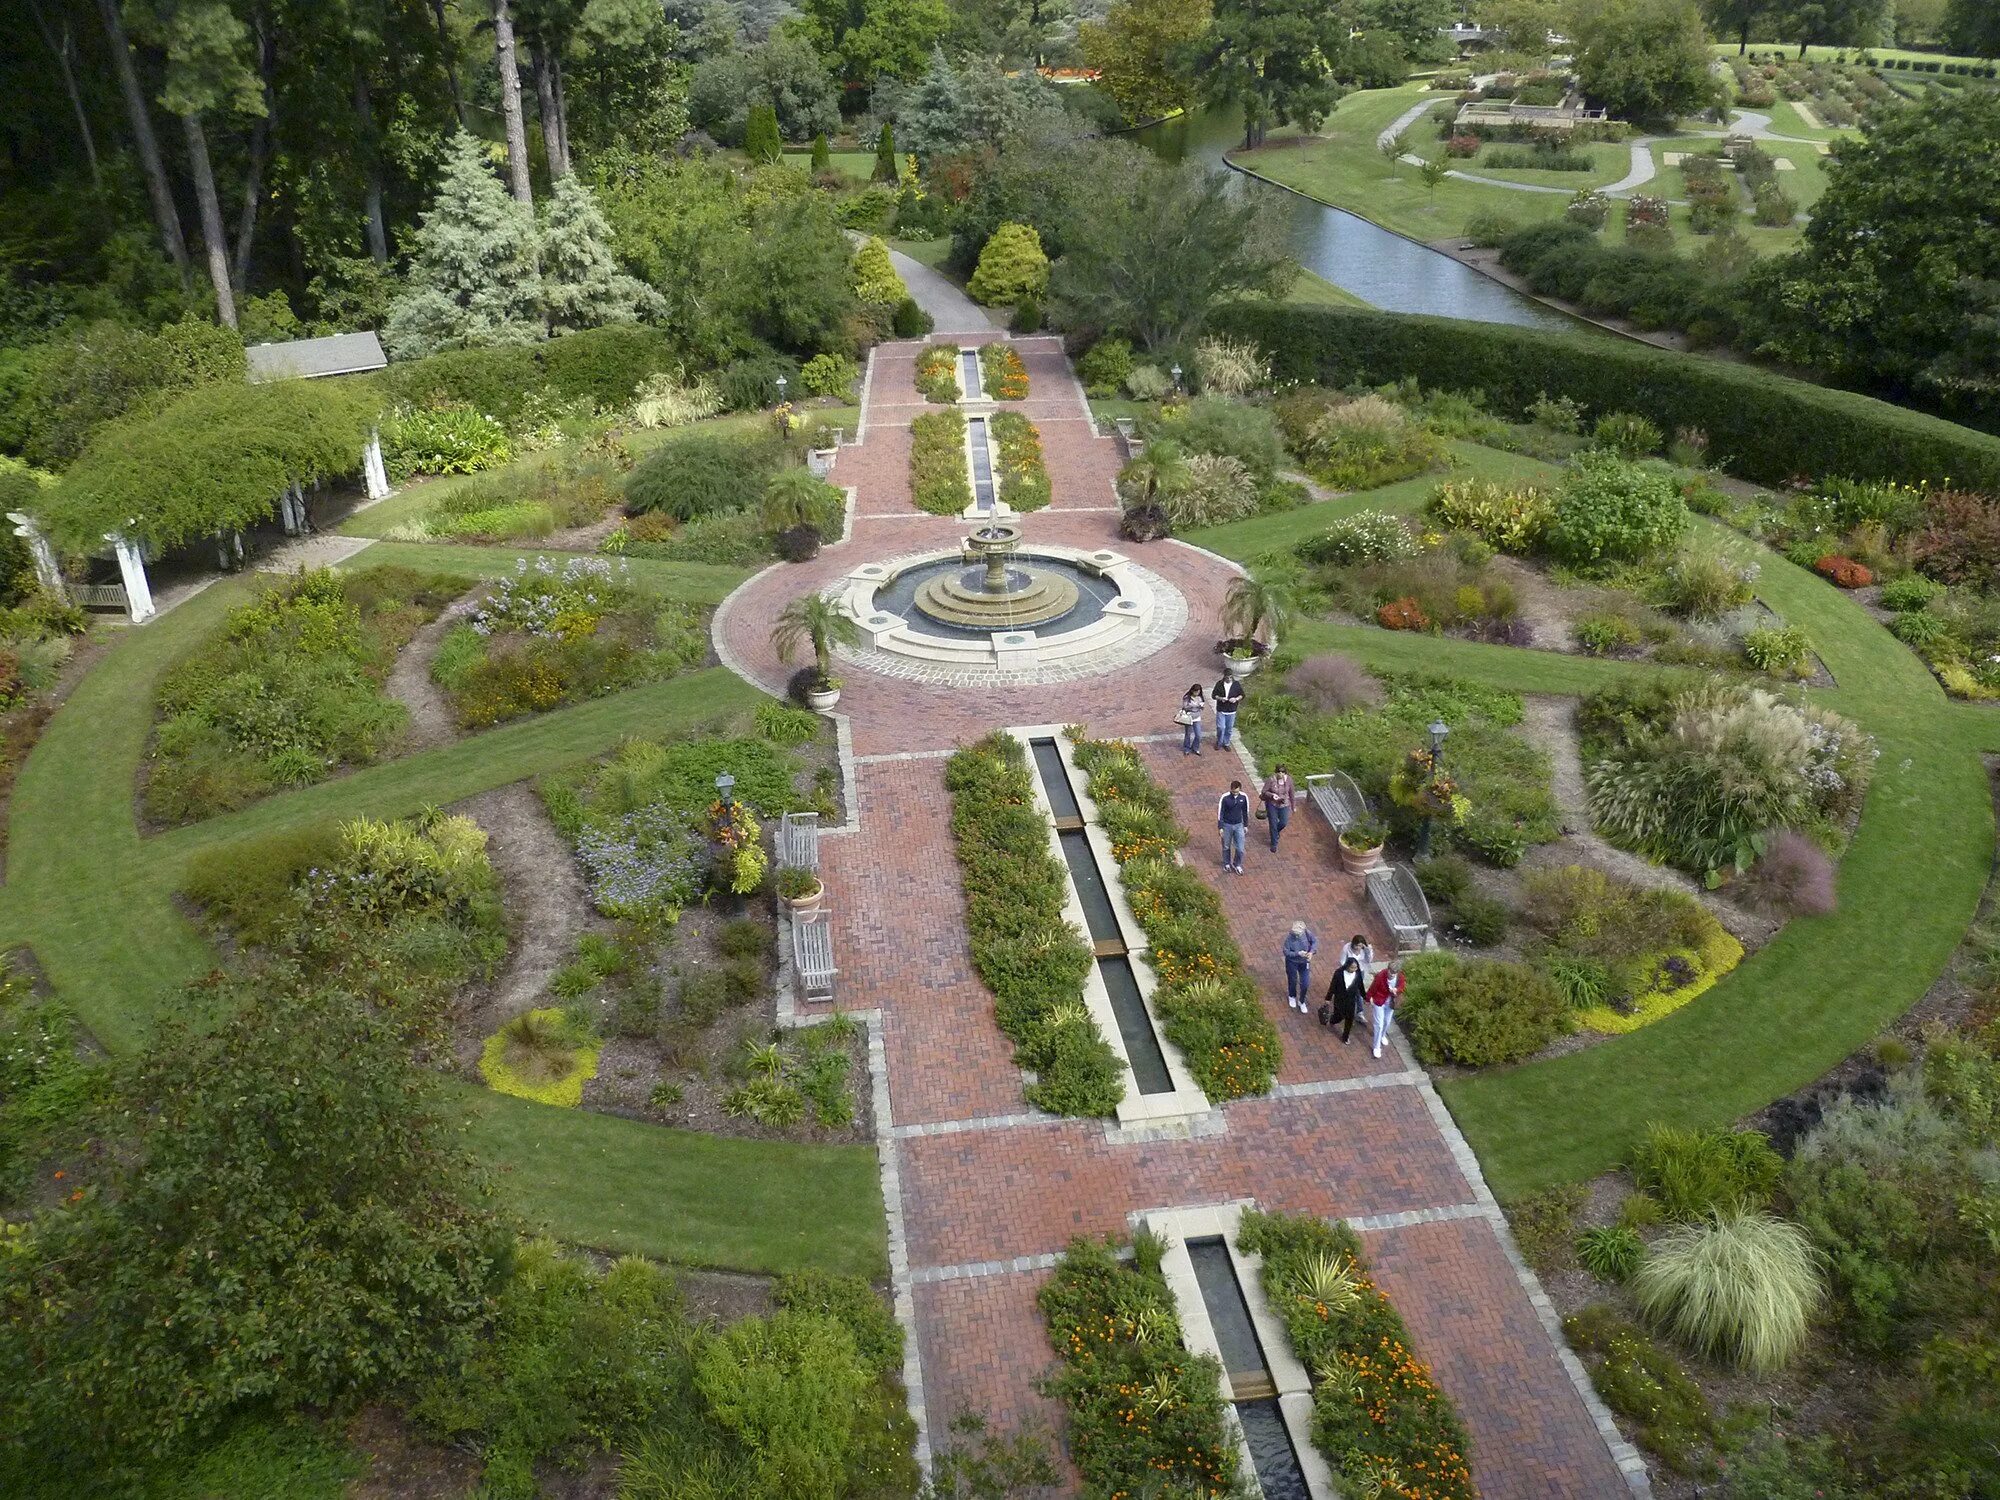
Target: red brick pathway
{"points": [[997, 1185]]}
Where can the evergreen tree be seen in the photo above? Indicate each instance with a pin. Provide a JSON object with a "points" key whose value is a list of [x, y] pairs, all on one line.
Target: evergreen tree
{"points": [[875, 280], [1012, 268], [473, 276], [885, 155], [581, 283], [760, 138], [934, 115], [822, 157]]}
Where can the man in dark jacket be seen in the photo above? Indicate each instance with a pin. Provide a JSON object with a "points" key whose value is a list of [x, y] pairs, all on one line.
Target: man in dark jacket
{"points": [[1228, 697], [1232, 816]]}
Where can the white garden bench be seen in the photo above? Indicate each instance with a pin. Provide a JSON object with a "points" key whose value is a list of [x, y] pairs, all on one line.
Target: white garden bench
{"points": [[798, 840], [1337, 797], [812, 953], [1401, 901]]}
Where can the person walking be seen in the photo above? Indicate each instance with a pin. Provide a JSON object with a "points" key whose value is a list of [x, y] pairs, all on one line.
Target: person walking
{"points": [[1362, 952], [1300, 946], [1344, 997], [1383, 994], [1189, 718], [1277, 798], [1232, 816], [1228, 696]]}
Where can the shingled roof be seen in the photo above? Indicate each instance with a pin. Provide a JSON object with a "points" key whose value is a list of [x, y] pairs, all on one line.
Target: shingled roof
{"points": [[309, 359]]}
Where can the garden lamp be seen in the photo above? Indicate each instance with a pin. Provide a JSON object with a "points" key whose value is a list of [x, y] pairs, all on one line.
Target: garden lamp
{"points": [[1177, 377], [724, 785], [1439, 729], [782, 383]]}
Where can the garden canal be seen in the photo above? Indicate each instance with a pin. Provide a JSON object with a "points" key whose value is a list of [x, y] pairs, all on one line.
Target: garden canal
{"points": [[1255, 1394], [1114, 966], [1380, 267]]}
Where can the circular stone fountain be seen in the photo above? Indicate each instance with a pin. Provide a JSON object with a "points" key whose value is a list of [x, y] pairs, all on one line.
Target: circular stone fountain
{"points": [[992, 596], [1002, 608]]}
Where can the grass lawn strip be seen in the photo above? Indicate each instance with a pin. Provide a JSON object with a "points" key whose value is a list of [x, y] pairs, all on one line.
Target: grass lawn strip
{"points": [[77, 856], [1909, 883]]}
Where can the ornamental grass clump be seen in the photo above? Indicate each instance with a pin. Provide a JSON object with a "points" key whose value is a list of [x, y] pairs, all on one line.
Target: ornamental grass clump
{"points": [[1739, 1287], [1377, 1409], [1695, 1173]]}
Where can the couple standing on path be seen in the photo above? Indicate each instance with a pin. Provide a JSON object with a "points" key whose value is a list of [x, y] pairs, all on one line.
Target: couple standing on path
{"points": [[1351, 985]]}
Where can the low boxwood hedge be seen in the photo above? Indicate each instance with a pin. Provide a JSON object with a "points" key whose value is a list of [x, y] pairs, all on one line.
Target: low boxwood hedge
{"points": [[1761, 425]]}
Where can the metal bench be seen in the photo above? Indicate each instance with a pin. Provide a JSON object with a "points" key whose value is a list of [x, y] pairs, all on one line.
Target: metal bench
{"points": [[798, 840], [1335, 795], [1401, 901], [812, 953]]}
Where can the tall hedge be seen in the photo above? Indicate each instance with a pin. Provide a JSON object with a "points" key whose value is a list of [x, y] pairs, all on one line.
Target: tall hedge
{"points": [[604, 364], [1761, 425]]}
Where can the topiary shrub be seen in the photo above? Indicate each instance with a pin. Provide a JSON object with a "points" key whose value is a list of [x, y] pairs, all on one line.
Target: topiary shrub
{"points": [[1479, 1012], [1027, 316], [1012, 267], [911, 321]]}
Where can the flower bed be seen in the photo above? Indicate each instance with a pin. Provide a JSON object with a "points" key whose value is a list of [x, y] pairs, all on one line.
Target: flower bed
{"points": [[1144, 1414], [550, 635], [1002, 373], [288, 689], [1378, 1416], [1206, 1002], [936, 373], [1032, 960], [1024, 478], [938, 481]]}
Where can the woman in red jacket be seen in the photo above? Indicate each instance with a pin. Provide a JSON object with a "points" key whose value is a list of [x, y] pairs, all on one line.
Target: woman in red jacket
{"points": [[1383, 994]]}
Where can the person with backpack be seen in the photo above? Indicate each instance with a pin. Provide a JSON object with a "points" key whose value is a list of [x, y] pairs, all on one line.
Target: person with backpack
{"points": [[1232, 816], [1383, 994], [1300, 946], [1344, 997]]}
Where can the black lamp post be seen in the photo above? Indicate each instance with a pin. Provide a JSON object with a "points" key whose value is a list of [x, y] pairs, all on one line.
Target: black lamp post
{"points": [[1439, 729]]}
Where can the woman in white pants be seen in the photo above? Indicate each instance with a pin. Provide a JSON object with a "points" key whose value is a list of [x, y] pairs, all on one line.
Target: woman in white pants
{"points": [[1382, 997]]}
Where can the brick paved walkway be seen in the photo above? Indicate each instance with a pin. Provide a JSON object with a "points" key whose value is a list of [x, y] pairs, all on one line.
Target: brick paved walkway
{"points": [[984, 1190]]}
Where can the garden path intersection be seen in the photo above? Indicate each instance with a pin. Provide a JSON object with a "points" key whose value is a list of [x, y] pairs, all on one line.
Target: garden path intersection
{"points": [[982, 1190]]}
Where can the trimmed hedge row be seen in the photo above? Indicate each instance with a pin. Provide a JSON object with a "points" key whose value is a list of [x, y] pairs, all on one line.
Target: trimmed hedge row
{"points": [[604, 365], [1761, 425]]}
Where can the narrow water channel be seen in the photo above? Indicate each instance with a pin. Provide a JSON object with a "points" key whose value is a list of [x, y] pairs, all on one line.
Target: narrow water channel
{"points": [[982, 463], [1121, 985], [1383, 269], [970, 375], [1270, 1442]]}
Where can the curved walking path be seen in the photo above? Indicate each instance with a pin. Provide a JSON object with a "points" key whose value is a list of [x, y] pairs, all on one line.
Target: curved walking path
{"points": [[984, 1192], [950, 309]]}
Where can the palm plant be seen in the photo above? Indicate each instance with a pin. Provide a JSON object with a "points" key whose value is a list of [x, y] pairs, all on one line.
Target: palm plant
{"points": [[1257, 604], [818, 621]]}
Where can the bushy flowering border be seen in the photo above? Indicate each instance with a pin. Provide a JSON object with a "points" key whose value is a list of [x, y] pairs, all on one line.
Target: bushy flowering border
{"points": [[938, 480], [1145, 1416], [1378, 1416], [936, 373], [1024, 476], [1206, 1002], [1002, 373]]}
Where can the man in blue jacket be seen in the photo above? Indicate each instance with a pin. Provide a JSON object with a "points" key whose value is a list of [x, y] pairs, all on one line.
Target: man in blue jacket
{"points": [[1232, 816]]}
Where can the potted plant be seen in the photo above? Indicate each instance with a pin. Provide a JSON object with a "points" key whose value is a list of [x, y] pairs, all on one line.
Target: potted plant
{"points": [[799, 888], [1252, 605], [818, 621], [1361, 846]]}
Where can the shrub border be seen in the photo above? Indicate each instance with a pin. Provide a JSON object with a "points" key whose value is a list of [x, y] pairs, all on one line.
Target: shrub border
{"points": [[933, 436]]}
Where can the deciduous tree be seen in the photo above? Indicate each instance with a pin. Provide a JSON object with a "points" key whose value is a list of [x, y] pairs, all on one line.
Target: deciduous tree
{"points": [[1143, 51], [1643, 59], [1276, 58]]}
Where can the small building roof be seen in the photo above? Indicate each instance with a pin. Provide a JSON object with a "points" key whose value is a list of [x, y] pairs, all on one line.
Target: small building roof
{"points": [[309, 359]]}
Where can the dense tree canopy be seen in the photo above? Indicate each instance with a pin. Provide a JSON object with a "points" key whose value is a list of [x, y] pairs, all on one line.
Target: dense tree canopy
{"points": [[1143, 50], [1643, 60], [1276, 58]]}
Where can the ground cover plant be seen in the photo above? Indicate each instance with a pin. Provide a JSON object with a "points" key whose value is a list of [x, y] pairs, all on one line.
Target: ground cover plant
{"points": [[1001, 371], [1702, 775], [1378, 1415], [938, 480], [936, 373], [1032, 960], [1503, 780], [1142, 1410], [1206, 1003], [1024, 477], [288, 690], [550, 634], [526, 502]]}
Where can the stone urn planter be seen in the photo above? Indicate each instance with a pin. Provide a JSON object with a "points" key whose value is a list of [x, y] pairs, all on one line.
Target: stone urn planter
{"points": [[800, 889], [1360, 849], [822, 698], [1237, 664]]}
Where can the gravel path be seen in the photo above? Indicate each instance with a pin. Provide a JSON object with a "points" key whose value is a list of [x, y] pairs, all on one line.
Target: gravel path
{"points": [[431, 721], [1540, 604], [548, 905], [1404, 121]]}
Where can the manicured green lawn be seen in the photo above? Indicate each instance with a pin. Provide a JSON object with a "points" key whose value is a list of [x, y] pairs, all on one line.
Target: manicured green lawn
{"points": [[925, 252], [677, 1195], [1909, 886], [95, 903]]}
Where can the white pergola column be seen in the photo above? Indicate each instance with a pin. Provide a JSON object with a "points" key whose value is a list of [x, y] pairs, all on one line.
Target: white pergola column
{"points": [[292, 510], [132, 569], [47, 571], [373, 471]]}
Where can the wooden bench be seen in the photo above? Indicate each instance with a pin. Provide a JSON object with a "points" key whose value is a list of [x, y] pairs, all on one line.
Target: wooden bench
{"points": [[798, 840], [1337, 797], [812, 953], [1400, 900], [99, 595]]}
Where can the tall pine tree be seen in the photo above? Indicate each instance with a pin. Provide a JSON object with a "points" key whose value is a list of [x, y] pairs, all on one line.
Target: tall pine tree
{"points": [[473, 277], [581, 283]]}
